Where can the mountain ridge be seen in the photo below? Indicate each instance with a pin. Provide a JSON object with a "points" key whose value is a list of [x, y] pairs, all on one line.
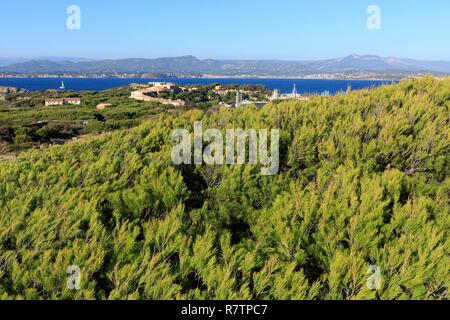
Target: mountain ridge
{"points": [[191, 65]]}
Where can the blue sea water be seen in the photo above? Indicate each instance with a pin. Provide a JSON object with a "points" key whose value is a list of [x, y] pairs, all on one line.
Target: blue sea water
{"points": [[311, 86]]}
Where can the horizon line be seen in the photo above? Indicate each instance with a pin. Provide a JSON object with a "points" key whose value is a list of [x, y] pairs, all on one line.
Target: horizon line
{"points": [[50, 57]]}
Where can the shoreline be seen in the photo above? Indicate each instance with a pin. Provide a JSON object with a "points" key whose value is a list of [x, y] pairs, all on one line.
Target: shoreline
{"points": [[213, 77]]}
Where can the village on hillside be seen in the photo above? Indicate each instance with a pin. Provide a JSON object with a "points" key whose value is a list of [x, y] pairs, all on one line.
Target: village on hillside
{"points": [[171, 94]]}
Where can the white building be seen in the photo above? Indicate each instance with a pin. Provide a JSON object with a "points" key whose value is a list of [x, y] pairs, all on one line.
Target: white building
{"points": [[62, 101], [238, 99], [275, 95]]}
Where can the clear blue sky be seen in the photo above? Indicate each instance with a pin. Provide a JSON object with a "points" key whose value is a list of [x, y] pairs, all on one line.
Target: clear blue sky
{"points": [[255, 29]]}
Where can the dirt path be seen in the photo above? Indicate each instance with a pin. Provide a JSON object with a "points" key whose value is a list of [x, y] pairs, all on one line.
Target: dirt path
{"points": [[8, 156]]}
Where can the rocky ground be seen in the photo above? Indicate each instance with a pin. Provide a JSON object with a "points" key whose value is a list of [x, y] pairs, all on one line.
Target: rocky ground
{"points": [[8, 90], [6, 153]]}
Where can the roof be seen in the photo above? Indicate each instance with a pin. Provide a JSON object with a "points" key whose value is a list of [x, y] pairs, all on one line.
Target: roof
{"points": [[55, 100], [155, 89]]}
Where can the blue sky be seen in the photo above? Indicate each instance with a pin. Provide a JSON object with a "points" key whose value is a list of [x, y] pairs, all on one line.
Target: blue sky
{"points": [[249, 29]]}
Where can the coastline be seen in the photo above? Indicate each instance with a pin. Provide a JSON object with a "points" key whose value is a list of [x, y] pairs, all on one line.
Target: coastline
{"points": [[242, 77], [284, 85]]}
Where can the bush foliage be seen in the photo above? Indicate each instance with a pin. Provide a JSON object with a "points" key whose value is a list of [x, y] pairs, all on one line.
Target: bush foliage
{"points": [[364, 180]]}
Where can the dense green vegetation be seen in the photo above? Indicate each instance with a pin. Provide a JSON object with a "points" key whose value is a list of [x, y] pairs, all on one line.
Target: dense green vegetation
{"points": [[364, 180], [22, 112], [205, 97], [19, 119]]}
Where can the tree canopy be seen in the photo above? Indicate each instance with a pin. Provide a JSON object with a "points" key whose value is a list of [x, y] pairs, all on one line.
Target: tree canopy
{"points": [[364, 180]]}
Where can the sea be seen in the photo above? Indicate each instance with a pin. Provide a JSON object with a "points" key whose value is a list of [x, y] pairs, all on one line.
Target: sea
{"points": [[304, 86]]}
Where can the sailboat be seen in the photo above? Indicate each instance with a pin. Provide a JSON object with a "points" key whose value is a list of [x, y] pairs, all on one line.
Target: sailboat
{"points": [[62, 86]]}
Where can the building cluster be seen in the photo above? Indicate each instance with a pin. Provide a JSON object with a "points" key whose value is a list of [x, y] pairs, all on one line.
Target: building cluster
{"points": [[276, 95], [160, 87], [219, 90], [62, 101], [151, 93], [240, 102]]}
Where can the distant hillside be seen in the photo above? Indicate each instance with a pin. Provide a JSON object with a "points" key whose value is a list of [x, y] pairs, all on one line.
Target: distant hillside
{"points": [[193, 66], [10, 61]]}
